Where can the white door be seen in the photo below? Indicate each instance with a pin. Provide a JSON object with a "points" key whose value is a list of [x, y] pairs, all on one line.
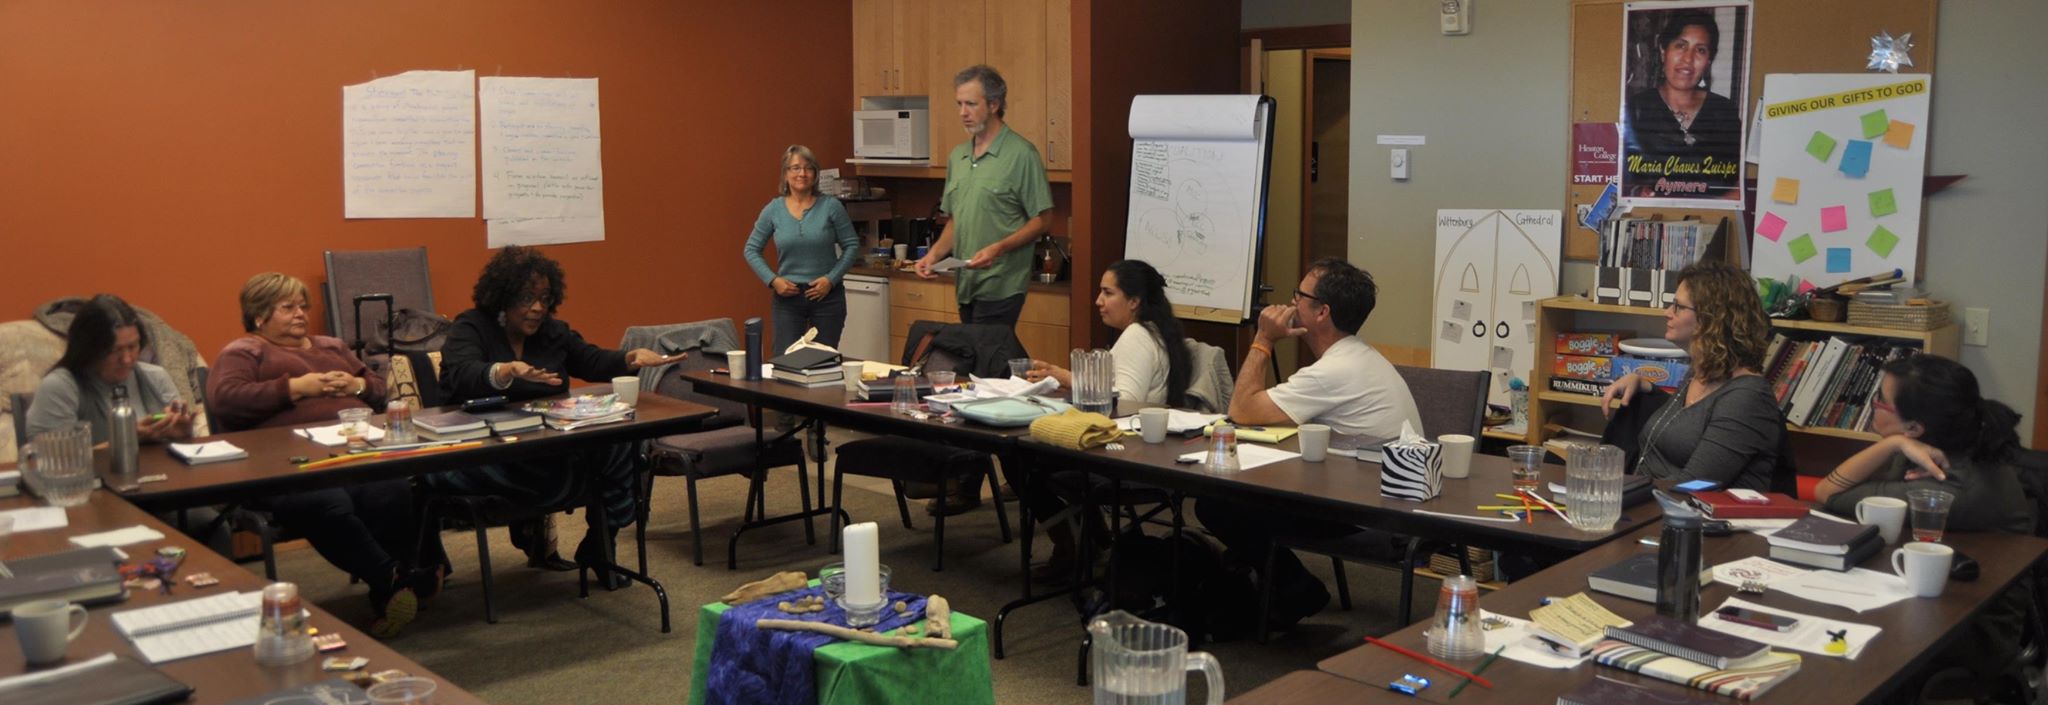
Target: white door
{"points": [[1492, 268]]}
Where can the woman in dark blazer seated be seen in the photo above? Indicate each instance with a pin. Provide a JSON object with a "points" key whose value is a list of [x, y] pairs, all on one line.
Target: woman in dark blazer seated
{"points": [[512, 345]]}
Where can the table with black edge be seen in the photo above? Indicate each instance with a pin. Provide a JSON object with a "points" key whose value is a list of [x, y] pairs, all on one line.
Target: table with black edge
{"points": [[218, 677], [1915, 629], [269, 470]]}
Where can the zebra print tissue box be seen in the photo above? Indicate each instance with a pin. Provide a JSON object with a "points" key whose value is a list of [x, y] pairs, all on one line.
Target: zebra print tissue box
{"points": [[1412, 471]]}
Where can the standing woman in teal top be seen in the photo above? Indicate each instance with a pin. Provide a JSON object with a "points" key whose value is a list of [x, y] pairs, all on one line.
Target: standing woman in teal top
{"points": [[805, 225]]}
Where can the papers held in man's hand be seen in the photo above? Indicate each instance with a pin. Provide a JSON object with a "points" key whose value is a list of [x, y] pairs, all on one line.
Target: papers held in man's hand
{"points": [[948, 264]]}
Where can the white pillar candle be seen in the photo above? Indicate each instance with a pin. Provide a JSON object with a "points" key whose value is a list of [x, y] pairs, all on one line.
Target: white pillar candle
{"points": [[863, 564]]}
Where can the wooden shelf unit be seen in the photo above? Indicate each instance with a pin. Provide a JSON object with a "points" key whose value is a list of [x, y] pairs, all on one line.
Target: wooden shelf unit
{"points": [[1564, 313]]}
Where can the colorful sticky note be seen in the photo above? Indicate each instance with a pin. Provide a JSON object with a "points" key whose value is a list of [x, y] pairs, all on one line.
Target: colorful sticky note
{"points": [[1806, 285], [1838, 260], [1771, 226], [1874, 124], [1834, 219], [1821, 146], [1882, 241], [1785, 190], [1801, 248], [1882, 203], [1856, 159], [1899, 135]]}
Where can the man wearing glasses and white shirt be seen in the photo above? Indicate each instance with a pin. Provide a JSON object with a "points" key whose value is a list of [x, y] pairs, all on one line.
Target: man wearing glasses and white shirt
{"points": [[1351, 388]]}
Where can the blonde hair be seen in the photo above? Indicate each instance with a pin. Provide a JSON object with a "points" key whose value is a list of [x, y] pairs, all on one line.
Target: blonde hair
{"points": [[263, 292], [782, 168], [1733, 331]]}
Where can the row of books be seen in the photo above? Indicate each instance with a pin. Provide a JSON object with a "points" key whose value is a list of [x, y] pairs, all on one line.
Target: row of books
{"points": [[1828, 383], [809, 367], [1654, 244]]}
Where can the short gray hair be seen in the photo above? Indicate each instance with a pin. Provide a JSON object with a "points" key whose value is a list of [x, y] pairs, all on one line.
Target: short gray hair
{"points": [[992, 85], [782, 168]]}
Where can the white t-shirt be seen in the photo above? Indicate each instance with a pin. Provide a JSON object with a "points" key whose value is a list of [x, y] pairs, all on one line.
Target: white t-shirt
{"points": [[1353, 389], [1141, 366]]}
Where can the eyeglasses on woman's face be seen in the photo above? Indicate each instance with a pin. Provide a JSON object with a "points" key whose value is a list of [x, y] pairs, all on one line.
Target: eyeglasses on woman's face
{"points": [[799, 169], [1676, 306]]}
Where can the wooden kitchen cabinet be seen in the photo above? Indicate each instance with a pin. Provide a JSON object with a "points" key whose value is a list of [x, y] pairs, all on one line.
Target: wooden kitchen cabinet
{"points": [[915, 47], [888, 56]]}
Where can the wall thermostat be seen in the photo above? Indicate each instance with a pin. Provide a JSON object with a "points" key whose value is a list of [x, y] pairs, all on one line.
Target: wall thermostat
{"points": [[1456, 16]]}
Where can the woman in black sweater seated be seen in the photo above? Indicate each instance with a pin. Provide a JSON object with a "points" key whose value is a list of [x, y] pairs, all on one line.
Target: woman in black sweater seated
{"points": [[512, 345]]}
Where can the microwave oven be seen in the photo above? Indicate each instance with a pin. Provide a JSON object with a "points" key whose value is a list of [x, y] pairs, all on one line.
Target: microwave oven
{"points": [[891, 134]]}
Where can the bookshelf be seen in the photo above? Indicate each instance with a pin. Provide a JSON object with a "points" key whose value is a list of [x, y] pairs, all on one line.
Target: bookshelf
{"points": [[1567, 313]]}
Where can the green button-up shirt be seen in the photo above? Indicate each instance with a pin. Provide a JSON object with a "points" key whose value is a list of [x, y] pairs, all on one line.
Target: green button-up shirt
{"points": [[989, 198]]}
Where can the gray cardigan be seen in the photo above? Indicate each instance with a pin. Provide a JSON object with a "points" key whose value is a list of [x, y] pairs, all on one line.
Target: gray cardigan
{"points": [[1730, 437], [59, 400]]}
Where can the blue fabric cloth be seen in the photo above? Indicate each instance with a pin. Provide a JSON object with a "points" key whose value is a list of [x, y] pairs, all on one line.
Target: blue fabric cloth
{"points": [[751, 666]]}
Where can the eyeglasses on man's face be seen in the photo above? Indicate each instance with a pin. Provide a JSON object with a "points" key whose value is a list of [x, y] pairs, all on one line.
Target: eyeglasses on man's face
{"points": [[1299, 295]]}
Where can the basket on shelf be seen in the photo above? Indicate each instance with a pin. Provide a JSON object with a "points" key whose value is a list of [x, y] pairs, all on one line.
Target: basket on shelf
{"points": [[1899, 316], [1825, 309], [1443, 563]]}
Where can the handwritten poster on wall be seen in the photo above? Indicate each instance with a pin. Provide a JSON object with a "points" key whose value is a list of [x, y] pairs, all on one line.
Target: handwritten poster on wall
{"points": [[543, 175], [408, 146], [1838, 185]]}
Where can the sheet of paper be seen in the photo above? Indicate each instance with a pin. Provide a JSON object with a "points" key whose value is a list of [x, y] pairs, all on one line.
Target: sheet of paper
{"points": [[1859, 589], [330, 435], [38, 518], [1856, 159], [408, 146], [992, 387], [1770, 226], [1821, 146], [1177, 421], [1785, 191], [1899, 135], [1810, 635], [1883, 203], [218, 448], [1834, 219], [1764, 527], [1802, 249], [1512, 639], [193, 627], [1881, 241], [1839, 260], [118, 537], [948, 264], [499, 232], [1874, 124], [1249, 455], [1757, 568]]}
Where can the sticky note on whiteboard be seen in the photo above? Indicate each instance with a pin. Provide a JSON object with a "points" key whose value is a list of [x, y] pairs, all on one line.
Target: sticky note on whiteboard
{"points": [[1856, 159], [1821, 146], [1899, 135], [1838, 260], [1785, 190], [1874, 124], [1883, 203], [1834, 219], [1882, 241], [1801, 248], [1770, 226]]}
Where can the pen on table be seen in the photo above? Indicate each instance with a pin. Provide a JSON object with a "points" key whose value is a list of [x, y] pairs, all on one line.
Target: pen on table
{"points": [[1483, 683], [1649, 541], [1476, 671]]}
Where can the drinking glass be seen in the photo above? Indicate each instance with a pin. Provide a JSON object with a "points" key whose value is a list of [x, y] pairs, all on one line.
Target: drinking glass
{"points": [[1019, 367], [403, 691], [1526, 462], [1929, 510], [904, 400], [941, 379], [355, 426], [1455, 633]]}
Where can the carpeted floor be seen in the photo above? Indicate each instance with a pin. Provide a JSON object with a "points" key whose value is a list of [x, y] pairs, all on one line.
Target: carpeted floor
{"points": [[551, 647]]}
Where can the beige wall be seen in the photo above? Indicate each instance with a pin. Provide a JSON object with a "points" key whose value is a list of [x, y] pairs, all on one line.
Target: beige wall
{"points": [[1282, 267]]}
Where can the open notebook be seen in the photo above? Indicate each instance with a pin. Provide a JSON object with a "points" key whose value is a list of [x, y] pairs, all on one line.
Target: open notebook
{"points": [[192, 627]]}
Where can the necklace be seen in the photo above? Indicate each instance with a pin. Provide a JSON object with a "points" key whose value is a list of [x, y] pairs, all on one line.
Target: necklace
{"points": [[1684, 120]]}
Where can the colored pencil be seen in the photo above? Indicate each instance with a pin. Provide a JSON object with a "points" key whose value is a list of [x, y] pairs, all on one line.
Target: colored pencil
{"points": [[346, 459], [1476, 671], [1483, 683], [1528, 511], [1553, 508], [1508, 508]]}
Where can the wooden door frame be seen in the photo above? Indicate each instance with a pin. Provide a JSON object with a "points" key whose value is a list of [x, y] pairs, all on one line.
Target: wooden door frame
{"points": [[2040, 378], [1308, 139]]}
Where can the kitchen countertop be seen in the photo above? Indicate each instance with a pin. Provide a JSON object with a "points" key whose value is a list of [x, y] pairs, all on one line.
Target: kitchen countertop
{"points": [[1062, 287]]}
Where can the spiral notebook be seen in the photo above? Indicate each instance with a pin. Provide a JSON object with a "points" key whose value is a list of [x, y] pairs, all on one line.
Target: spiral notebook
{"points": [[188, 628]]}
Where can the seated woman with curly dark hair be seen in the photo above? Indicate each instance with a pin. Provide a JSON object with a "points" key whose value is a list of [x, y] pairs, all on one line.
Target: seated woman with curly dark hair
{"points": [[512, 345]]}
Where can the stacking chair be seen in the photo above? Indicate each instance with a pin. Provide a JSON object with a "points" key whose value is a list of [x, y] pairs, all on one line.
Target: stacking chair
{"points": [[904, 460], [729, 443], [1449, 401], [398, 279]]}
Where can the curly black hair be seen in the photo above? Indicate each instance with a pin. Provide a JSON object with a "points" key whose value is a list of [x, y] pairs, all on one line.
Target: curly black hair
{"points": [[510, 273]]}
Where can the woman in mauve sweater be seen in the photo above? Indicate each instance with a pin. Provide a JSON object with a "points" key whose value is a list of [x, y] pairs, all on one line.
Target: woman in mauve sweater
{"points": [[281, 375]]}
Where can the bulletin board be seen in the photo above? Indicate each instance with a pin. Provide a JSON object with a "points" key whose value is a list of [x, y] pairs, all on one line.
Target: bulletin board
{"points": [[1790, 36]]}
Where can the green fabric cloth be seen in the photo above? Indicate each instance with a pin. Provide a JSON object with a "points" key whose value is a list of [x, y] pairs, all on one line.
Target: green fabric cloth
{"points": [[989, 198], [858, 674]]}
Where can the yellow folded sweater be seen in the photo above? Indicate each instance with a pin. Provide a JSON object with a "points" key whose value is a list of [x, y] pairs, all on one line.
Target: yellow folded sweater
{"points": [[1075, 429]]}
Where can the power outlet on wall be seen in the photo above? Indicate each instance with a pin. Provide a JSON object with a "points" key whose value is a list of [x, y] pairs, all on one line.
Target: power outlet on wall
{"points": [[1977, 326]]}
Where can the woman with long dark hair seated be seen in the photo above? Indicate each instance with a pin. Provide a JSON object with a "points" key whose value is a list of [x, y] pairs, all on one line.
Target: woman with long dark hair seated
{"points": [[1153, 368], [512, 345], [102, 354]]}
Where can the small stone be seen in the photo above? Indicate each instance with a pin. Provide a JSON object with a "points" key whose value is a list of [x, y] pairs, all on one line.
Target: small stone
{"points": [[785, 607], [902, 607], [913, 629]]}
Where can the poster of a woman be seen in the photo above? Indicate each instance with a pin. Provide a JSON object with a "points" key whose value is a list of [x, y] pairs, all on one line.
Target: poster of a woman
{"points": [[1685, 80]]}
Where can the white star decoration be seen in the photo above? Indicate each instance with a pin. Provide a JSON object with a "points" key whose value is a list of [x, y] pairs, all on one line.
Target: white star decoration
{"points": [[1888, 54]]}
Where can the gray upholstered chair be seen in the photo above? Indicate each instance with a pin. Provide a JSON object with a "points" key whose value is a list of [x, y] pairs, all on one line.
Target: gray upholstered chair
{"points": [[1448, 401]]}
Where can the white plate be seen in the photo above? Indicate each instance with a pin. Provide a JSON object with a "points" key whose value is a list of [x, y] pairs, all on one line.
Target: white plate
{"points": [[1653, 347]]}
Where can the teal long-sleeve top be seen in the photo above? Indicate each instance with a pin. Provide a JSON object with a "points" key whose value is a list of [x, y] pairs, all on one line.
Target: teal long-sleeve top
{"points": [[804, 245]]}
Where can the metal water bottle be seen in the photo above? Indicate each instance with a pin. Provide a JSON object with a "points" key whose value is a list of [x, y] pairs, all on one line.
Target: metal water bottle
{"points": [[122, 442], [1679, 561], [753, 343]]}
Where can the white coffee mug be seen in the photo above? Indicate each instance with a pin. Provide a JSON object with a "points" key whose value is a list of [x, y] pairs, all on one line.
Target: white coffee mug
{"points": [[1152, 425], [851, 372], [1924, 566], [736, 363], [45, 628], [902, 252], [1457, 454], [1888, 514], [1315, 442], [627, 389]]}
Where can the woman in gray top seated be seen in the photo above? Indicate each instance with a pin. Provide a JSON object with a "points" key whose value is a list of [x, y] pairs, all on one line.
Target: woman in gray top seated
{"points": [[1723, 424], [1940, 433], [103, 351]]}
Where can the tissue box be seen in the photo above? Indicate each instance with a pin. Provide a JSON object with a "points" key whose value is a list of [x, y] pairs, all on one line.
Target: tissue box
{"points": [[1583, 367], [1588, 344], [1663, 373], [1411, 470]]}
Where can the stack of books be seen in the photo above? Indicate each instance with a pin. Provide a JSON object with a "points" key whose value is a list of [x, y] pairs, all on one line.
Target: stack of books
{"points": [[1654, 244], [1828, 383], [509, 421], [1720, 504], [1571, 626], [1691, 655], [1825, 543], [455, 425], [809, 367], [884, 389], [1635, 578]]}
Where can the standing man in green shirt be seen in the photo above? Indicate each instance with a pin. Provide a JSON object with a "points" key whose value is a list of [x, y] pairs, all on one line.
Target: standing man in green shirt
{"points": [[998, 202]]}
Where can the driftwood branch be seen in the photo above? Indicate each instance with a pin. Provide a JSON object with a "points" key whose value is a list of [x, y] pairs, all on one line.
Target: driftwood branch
{"points": [[834, 630], [938, 617], [772, 585]]}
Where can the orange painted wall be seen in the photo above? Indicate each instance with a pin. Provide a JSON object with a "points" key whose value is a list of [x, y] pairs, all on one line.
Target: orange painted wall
{"points": [[165, 151]]}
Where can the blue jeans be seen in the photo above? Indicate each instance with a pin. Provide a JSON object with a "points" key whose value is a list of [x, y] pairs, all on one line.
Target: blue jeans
{"points": [[795, 314]]}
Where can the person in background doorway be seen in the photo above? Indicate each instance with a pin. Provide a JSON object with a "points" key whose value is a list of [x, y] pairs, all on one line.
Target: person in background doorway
{"points": [[805, 226]]}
